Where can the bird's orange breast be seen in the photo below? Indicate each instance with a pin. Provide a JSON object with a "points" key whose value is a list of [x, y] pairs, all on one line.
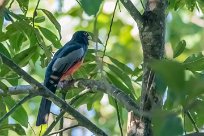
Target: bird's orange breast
{"points": [[71, 71]]}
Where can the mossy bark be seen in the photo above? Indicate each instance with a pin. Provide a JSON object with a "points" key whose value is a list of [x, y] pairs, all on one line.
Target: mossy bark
{"points": [[152, 36]]}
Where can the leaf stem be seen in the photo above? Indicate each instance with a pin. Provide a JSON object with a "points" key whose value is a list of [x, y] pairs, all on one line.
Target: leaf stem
{"points": [[110, 28], [35, 13], [118, 115]]}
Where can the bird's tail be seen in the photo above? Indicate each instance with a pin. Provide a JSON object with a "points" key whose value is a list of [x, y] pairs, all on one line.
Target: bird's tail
{"points": [[44, 109]]}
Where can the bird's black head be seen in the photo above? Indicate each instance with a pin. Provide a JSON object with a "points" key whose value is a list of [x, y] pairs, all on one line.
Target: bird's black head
{"points": [[81, 37]]}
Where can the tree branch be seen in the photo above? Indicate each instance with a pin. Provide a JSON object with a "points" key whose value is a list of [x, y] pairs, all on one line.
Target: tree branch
{"points": [[42, 90], [16, 90], [49, 129], [136, 15], [62, 130], [192, 121], [93, 85]]}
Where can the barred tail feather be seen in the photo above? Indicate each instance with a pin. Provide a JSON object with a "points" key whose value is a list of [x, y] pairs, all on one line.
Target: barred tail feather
{"points": [[44, 109]]}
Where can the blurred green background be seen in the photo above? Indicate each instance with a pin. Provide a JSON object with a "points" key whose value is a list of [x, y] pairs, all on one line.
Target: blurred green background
{"points": [[123, 45]]}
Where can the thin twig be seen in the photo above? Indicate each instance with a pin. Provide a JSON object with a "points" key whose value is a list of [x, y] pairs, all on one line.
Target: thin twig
{"points": [[96, 36], [192, 121], [79, 3], [40, 130], [60, 131], [64, 117], [118, 115], [10, 4], [26, 98], [35, 13], [31, 128], [8, 78], [136, 15], [119, 6], [110, 28], [142, 4], [98, 62], [184, 122], [84, 92], [49, 129]]}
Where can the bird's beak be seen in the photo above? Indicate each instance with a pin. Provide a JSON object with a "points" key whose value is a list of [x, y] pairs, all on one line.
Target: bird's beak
{"points": [[93, 38]]}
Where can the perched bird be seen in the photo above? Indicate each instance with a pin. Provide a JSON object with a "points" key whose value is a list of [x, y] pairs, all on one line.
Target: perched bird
{"points": [[64, 63]]}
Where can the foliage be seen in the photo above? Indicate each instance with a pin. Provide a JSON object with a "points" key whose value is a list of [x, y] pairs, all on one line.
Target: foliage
{"points": [[29, 37]]}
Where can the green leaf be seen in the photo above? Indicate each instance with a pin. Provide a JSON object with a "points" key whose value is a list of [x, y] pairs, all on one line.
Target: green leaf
{"points": [[89, 68], [23, 5], [3, 37], [119, 84], [137, 71], [4, 51], [88, 7], [43, 60], [194, 87], [179, 4], [51, 37], [16, 40], [14, 127], [201, 5], [190, 4], [3, 87], [171, 72], [21, 27], [194, 62], [88, 99], [40, 19], [197, 112], [13, 79], [46, 49], [96, 98], [160, 85], [53, 20], [171, 3], [122, 75], [23, 57], [179, 48], [139, 78], [162, 122], [19, 17], [20, 114], [122, 66]]}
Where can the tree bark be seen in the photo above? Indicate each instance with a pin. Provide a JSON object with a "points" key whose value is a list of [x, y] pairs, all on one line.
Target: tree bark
{"points": [[152, 36]]}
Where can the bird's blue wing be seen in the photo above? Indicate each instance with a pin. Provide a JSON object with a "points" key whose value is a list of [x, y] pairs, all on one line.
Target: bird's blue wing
{"points": [[64, 59]]}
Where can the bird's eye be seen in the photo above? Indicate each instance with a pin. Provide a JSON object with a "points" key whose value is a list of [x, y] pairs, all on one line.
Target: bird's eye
{"points": [[85, 33]]}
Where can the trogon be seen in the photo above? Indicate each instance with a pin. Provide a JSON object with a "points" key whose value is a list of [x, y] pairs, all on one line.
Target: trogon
{"points": [[64, 63]]}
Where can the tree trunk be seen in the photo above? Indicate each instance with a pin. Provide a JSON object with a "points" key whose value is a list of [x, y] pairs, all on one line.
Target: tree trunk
{"points": [[152, 36]]}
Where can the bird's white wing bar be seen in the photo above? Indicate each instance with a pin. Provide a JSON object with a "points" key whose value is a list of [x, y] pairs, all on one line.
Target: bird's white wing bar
{"points": [[65, 62]]}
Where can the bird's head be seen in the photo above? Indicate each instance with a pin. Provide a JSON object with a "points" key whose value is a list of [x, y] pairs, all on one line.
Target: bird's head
{"points": [[84, 37]]}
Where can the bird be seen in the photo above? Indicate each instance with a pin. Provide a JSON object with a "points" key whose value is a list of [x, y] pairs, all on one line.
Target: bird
{"points": [[63, 64]]}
